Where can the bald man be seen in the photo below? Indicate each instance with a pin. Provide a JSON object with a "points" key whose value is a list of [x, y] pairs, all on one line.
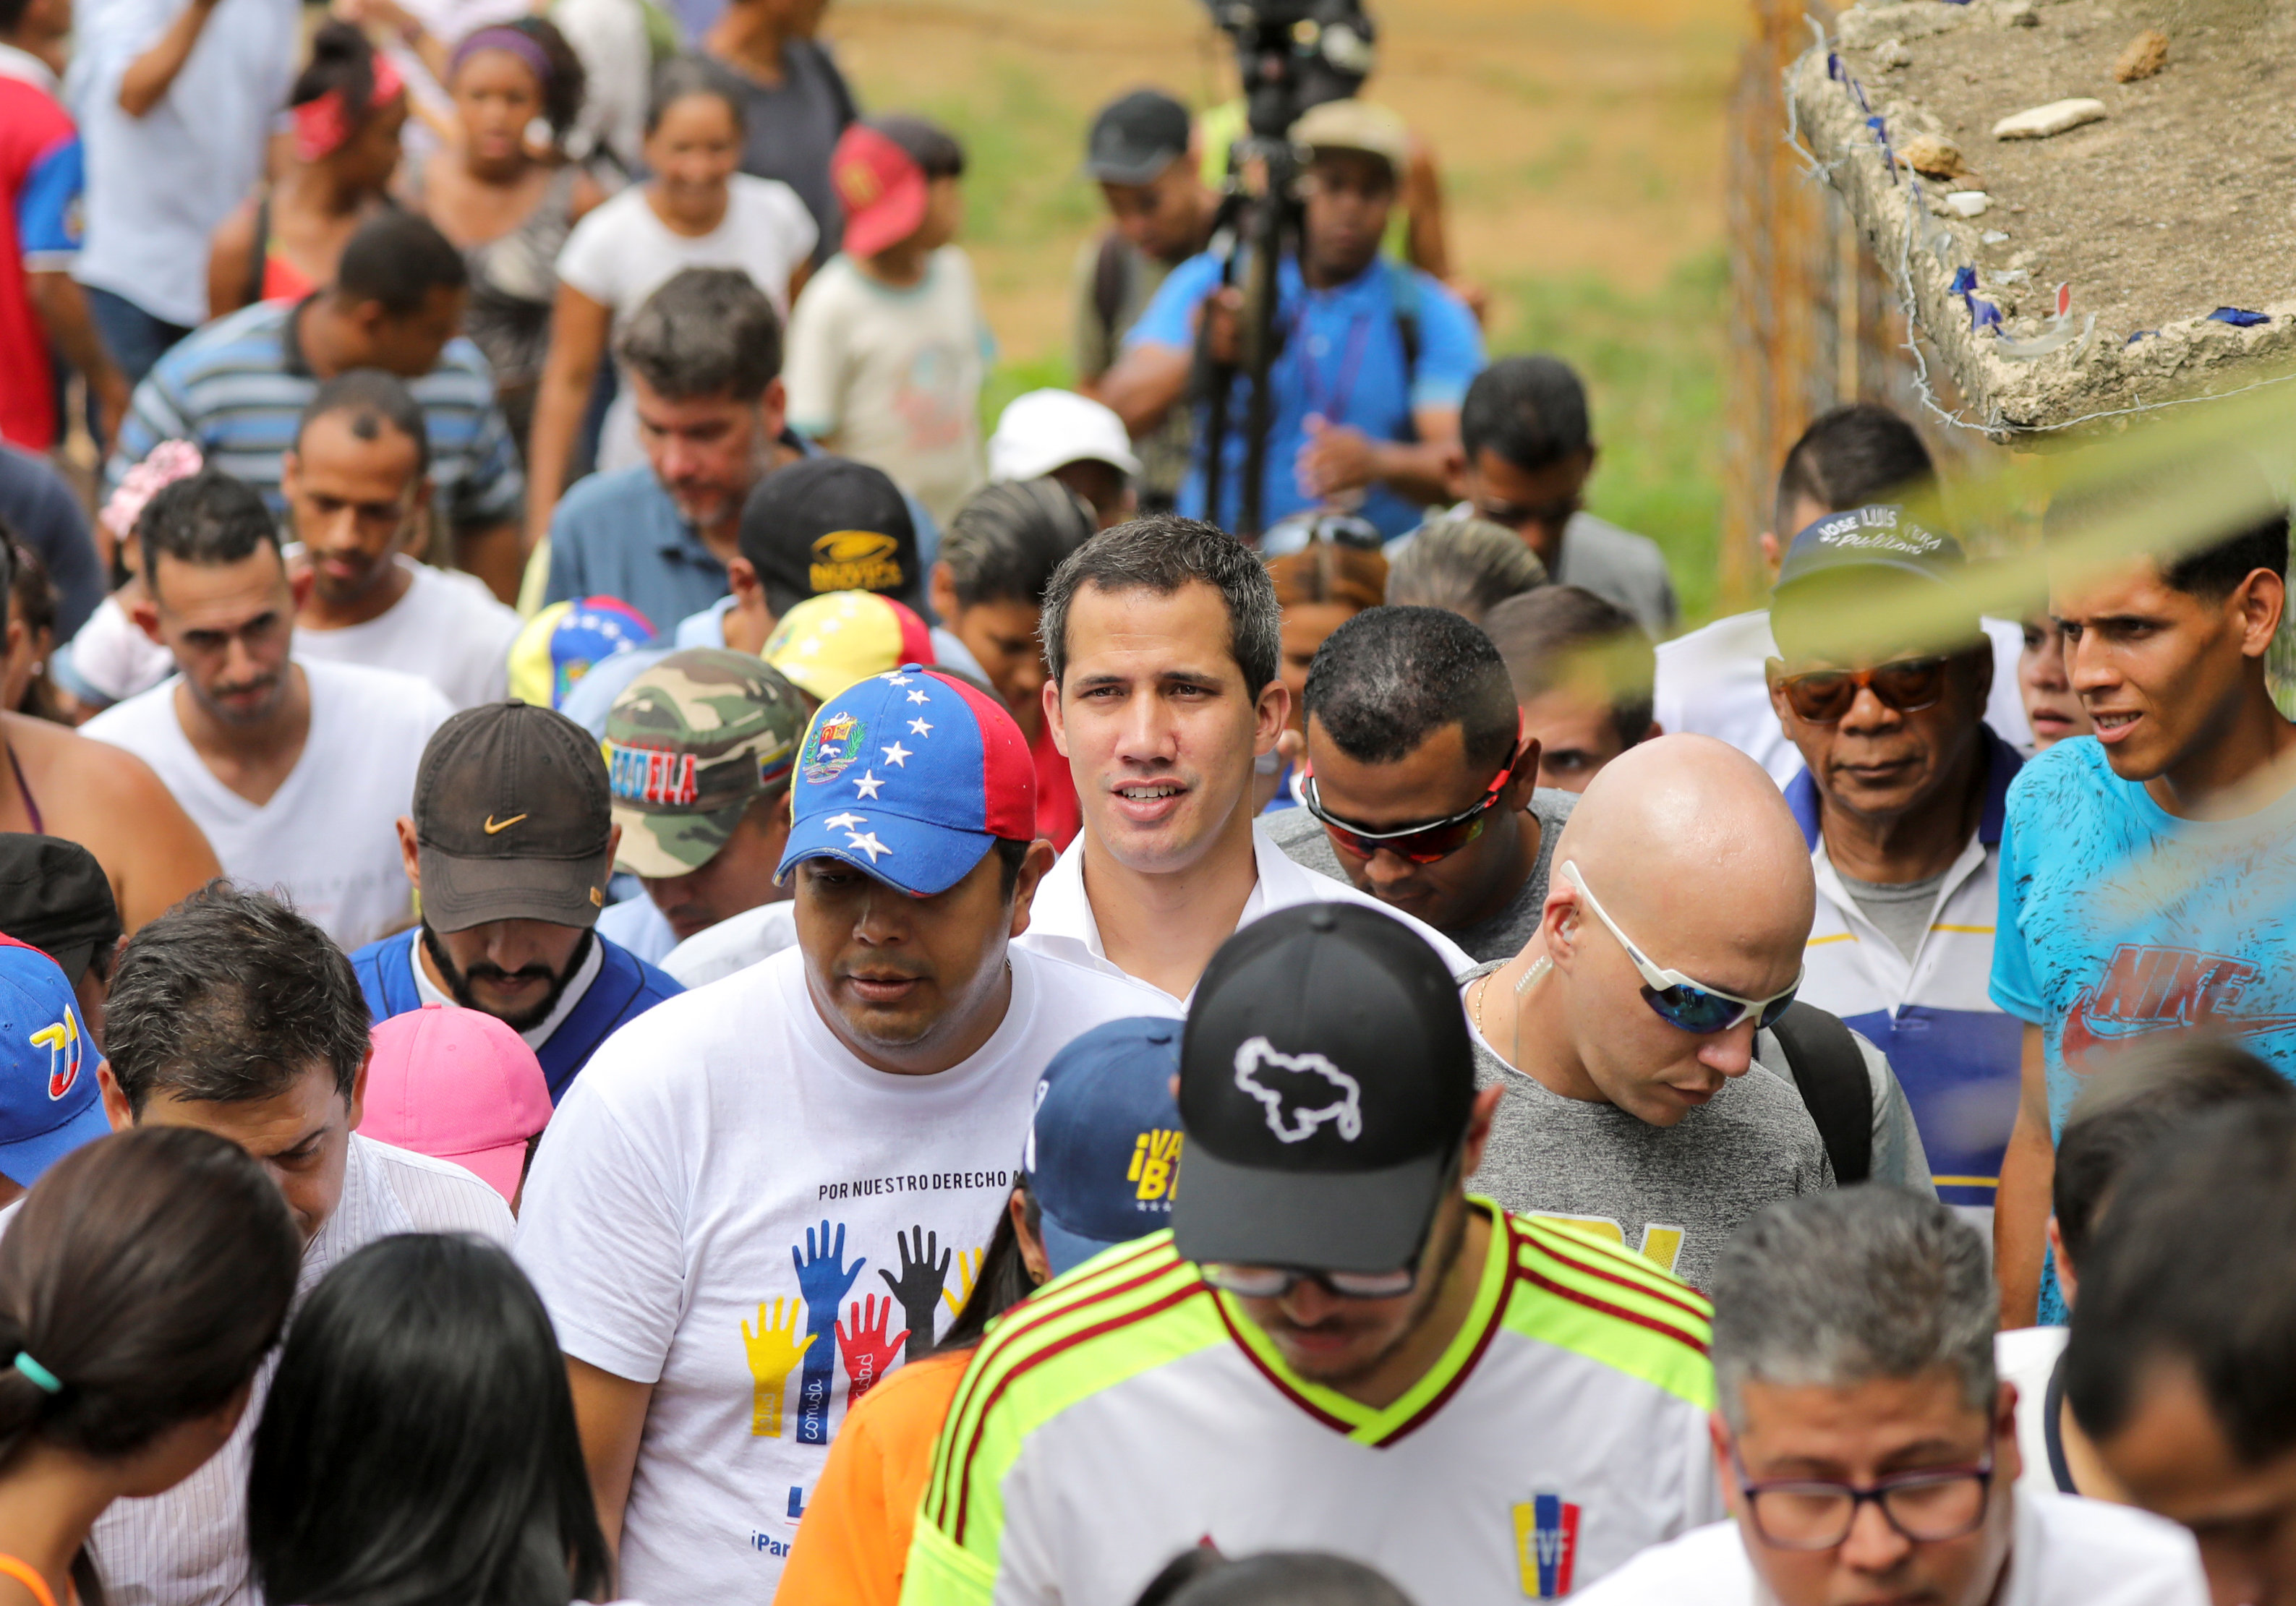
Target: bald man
{"points": [[1664, 1122]]}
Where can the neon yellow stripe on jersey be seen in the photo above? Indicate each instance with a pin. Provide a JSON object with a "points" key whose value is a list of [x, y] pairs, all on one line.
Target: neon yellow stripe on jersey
{"points": [[941, 1572], [1603, 1301]]}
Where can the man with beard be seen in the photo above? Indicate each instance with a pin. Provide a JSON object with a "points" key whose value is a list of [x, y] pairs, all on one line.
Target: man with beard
{"points": [[295, 772], [356, 482], [510, 843]]}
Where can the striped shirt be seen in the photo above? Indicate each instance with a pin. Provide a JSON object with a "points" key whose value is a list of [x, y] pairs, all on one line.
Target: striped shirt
{"points": [[1129, 1412], [188, 1547], [235, 388]]}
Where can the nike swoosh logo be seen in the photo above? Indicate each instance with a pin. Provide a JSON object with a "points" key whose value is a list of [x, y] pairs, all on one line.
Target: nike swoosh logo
{"points": [[493, 829]]}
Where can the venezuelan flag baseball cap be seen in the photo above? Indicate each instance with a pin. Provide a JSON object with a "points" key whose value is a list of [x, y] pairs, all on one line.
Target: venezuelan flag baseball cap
{"points": [[566, 640], [827, 642], [911, 777], [49, 1102]]}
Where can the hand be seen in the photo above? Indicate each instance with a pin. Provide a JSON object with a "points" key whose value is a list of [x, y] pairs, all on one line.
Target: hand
{"points": [[823, 1277], [869, 1353], [968, 1268], [775, 1351], [924, 1273], [1222, 314], [1336, 458]]}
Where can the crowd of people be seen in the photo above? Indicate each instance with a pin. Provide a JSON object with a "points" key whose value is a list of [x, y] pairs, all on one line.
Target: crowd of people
{"points": [[646, 960]]}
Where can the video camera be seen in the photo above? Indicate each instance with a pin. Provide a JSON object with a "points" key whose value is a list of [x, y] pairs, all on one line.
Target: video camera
{"points": [[1295, 54]]}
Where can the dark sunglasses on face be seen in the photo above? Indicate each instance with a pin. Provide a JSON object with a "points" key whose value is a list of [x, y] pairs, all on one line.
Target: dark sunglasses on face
{"points": [[1826, 696], [1421, 844]]}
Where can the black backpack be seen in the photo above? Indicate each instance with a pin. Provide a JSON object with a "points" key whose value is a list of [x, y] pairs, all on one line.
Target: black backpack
{"points": [[1829, 1072]]}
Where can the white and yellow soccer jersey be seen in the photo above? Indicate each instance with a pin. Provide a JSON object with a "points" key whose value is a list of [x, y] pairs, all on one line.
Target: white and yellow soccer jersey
{"points": [[1129, 1412]]}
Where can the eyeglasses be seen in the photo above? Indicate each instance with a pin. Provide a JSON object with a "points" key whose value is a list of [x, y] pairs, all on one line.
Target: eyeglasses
{"points": [[1275, 1282], [1677, 1000], [1826, 696], [1421, 844], [1927, 1506]]}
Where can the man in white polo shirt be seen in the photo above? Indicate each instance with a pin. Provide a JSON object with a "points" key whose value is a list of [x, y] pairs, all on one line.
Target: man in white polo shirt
{"points": [[1161, 636], [762, 1195]]}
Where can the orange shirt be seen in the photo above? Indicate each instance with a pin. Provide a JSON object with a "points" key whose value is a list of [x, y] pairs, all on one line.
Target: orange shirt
{"points": [[853, 1546]]}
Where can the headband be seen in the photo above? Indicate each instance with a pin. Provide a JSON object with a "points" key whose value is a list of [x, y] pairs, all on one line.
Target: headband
{"points": [[518, 43], [323, 125], [46, 1381]]}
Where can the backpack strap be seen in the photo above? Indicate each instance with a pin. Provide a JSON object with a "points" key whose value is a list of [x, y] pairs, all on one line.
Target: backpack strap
{"points": [[28, 1575], [258, 254], [1829, 1072], [1110, 271], [1403, 291]]}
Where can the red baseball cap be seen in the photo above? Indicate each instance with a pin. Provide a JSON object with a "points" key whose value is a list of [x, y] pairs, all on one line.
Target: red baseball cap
{"points": [[883, 188], [456, 1084]]}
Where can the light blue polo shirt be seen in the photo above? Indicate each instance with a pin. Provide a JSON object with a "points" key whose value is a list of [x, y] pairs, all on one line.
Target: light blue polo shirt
{"points": [[1342, 357], [1955, 1051]]}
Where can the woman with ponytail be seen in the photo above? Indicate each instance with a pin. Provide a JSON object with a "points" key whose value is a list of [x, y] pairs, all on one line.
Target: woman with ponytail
{"points": [[142, 1282], [285, 241]]}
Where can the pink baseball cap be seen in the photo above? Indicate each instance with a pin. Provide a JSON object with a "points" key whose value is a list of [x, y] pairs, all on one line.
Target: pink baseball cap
{"points": [[881, 186], [456, 1084]]}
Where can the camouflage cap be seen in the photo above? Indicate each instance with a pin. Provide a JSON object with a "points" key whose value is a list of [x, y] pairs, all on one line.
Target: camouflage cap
{"points": [[690, 742]]}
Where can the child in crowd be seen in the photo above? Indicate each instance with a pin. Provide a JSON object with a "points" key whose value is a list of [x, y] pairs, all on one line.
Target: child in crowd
{"points": [[887, 346], [1582, 670]]}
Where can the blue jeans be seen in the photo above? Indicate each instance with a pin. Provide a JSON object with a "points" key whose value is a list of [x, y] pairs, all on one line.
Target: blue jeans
{"points": [[134, 338]]}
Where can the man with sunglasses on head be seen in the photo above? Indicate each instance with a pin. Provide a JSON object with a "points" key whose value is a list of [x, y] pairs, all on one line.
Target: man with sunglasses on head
{"points": [[1867, 1449], [1666, 956], [1900, 800], [1336, 1346], [1418, 788]]}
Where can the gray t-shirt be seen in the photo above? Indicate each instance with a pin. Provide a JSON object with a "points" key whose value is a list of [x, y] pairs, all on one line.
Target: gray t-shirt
{"points": [[1500, 937], [1620, 566], [791, 127], [1677, 1193], [1899, 909]]}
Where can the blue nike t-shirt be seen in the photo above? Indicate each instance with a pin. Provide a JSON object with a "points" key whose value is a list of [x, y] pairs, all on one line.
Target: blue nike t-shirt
{"points": [[2118, 919]]}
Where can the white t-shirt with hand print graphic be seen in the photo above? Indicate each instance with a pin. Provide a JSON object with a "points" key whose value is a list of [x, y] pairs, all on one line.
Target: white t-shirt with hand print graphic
{"points": [[734, 1208]]}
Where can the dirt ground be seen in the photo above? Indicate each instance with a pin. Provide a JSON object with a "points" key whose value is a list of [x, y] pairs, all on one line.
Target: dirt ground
{"points": [[1579, 137], [2111, 208]]}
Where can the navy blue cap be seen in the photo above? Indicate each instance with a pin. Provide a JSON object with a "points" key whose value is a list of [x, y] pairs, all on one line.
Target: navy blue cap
{"points": [[49, 1100], [1103, 1150], [1881, 537]]}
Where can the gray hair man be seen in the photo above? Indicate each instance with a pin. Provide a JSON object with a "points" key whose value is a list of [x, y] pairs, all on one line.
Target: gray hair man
{"points": [[1866, 1447]]}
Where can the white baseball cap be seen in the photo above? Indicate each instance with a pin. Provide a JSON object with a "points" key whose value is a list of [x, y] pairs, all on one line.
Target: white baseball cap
{"points": [[1048, 429]]}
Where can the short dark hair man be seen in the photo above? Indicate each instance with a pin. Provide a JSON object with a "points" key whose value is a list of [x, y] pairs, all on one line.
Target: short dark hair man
{"points": [[236, 388], [55, 896], [1142, 154], [2148, 877], [1529, 451], [1900, 801], [358, 484], [510, 841], [1711, 681], [2182, 1355], [1652, 1097], [294, 771], [700, 752], [703, 357], [1867, 1448], [811, 1153], [1378, 411], [1332, 1316], [1162, 637], [1419, 789], [234, 1013], [1582, 671]]}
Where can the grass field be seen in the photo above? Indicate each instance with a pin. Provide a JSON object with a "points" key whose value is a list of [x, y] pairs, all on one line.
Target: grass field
{"points": [[1581, 145]]}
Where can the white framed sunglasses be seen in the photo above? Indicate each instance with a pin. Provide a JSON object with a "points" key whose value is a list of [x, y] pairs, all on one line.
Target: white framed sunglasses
{"points": [[1675, 999]]}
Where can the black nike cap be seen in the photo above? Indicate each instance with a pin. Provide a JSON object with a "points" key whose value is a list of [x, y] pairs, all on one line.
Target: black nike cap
{"points": [[1326, 1086], [512, 819]]}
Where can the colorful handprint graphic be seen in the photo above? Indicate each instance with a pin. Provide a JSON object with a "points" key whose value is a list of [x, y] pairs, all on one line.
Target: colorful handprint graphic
{"points": [[774, 1349], [869, 1352], [823, 1277]]}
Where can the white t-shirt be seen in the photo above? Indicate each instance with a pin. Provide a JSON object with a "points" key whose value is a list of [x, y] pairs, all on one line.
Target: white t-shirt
{"points": [[2026, 1356], [1062, 924], [329, 836], [622, 252], [449, 628], [734, 943], [725, 1170], [2067, 1552], [188, 1547], [1710, 683], [895, 374]]}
